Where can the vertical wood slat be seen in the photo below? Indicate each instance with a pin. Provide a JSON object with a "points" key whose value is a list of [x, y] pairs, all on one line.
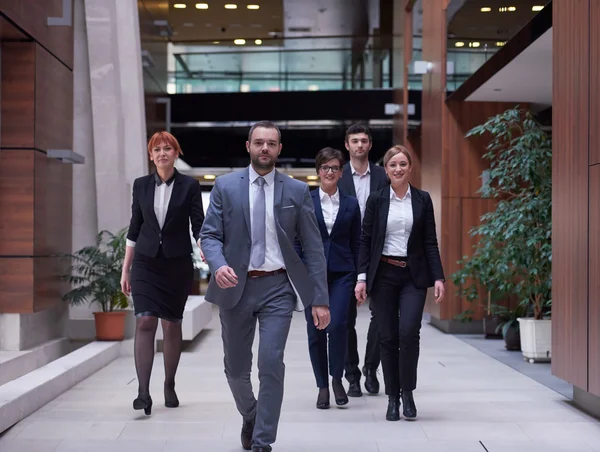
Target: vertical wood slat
{"points": [[594, 205], [570, 190], [18, 94]]}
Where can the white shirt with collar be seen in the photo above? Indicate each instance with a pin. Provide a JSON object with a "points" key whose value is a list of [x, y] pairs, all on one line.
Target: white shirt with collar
{"points": [[362, 186], [399, 225], [273, 256], [330, 205]]}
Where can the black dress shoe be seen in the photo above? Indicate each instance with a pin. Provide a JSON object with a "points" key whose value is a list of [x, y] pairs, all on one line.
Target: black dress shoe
{"points": [[247, 432], [323, 399], [409, 410], [143, 402], [354, 389], [341, 398], [171, 400], [262, 449], [393, 410], [371, 381]]}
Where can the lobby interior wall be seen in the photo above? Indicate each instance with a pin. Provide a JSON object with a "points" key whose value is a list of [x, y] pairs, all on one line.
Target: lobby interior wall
{"points": [[35, 191], [575, 201]]}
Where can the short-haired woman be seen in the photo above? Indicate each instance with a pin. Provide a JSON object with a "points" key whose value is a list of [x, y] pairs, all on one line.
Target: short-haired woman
{"points": [[338, 217], [158, 270], [399, 260]]}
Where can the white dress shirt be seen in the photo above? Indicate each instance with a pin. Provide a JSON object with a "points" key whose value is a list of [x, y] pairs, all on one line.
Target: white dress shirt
{"points": [[399, 225], [162, 196], [398, 229], [273, 256], [362, 186], [330, 205]]}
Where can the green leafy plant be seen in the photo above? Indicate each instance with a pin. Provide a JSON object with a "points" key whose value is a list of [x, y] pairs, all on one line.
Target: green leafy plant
{"points": [[95, 273], [513, 254]]}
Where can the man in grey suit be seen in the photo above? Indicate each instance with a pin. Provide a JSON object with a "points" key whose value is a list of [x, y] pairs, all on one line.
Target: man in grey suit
{"points": [[248, 242]]}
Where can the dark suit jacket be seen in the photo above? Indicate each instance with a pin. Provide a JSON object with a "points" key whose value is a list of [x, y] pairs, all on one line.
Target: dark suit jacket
{"points": [[423, 253], [174, 237], [342, 245], [378, 181]]}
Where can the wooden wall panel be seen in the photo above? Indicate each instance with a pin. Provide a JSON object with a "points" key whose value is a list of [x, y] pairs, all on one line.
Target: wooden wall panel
{"points": [[18, 94], [53, 102], [32, 17], [16, 203], [594, 205], [48, 285], [594, 281], [17, 281], [570, 120], [451, 214]]}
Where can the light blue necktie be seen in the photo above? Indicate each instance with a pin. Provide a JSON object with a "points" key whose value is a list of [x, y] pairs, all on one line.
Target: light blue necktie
{"points": [[257, 257]]}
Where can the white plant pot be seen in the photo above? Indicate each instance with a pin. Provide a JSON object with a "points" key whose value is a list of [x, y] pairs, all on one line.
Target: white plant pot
{"points": [[536, 339]]}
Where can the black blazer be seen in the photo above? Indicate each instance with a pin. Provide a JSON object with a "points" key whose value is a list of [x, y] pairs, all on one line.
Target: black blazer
{"points": [[342, 245], [174, 237], [423, 253], [378, 181]]}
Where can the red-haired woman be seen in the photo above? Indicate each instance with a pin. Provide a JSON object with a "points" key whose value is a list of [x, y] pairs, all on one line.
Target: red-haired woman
{"points": [[157, 270]]}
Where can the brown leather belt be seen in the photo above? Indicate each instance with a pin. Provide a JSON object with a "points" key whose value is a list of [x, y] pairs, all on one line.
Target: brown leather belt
{"points": [[396, 262], [260, 274]]}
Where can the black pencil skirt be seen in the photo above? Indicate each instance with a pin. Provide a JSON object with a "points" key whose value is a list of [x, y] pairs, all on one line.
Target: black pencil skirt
{"points": [[160, 286]]}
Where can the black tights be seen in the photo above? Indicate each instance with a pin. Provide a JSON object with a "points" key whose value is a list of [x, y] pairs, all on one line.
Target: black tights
{"points": [[145, 332]]}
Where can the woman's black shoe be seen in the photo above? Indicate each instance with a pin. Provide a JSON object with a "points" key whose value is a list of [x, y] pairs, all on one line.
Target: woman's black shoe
{"points": [[393, 410], [410, 409], [171, 400], [341, 398], [323, 399], [143, 402]]}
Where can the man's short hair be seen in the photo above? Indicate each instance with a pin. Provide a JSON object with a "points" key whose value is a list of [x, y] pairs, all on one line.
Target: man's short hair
{"points": [[358, 128], [264, 125]]}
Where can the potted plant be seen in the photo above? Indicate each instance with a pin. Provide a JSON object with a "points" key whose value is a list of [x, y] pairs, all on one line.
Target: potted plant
{"points": [[508, 325], [520, 227], [95, 276]]}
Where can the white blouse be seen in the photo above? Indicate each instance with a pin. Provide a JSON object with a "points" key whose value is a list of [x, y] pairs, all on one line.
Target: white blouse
{"points": [[330, 205]]}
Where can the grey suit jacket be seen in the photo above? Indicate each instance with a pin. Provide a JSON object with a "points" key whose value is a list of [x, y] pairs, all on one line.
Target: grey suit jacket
{"points": [[226, 237]]}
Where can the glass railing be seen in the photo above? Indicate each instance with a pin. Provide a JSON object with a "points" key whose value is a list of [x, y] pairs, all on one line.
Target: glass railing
{"points": [[307, 65]]}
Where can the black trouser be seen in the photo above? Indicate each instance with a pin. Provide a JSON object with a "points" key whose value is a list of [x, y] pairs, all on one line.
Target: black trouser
{"points": [[372, 354], [398, 307]]}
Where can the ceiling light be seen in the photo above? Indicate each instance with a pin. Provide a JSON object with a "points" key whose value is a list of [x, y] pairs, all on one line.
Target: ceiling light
{"points": [[512, 8], [474, 44], [313, 87], [537, 8], [180, 5], [216, 42], [253, 6], [258, 42], [459, 44], [239, 42], [500, 43], [312, 177], [210, 177], [486, 9], [202, 5], [230, 6]]}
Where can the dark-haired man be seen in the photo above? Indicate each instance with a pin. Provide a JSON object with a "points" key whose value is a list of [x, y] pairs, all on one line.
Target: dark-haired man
{"points": [[359, 179]]}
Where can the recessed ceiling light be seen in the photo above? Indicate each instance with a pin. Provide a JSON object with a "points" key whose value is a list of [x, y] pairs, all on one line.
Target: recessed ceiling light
{"points": [[512, 8], [180, 5], [210, 177], [230, 6], [537, 8], [474, 44], [486, 9], [500, 43], [239, 42], [311, 177], [258, 42], [216, 42], [253, 6], [459, 44], [202, 5]]}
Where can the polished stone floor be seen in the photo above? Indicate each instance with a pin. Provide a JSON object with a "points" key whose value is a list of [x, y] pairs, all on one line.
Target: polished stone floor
{"points": [[467, 401]]}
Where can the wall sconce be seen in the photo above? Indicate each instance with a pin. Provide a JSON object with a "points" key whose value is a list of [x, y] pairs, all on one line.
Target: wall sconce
{"points": [[66, 156]]}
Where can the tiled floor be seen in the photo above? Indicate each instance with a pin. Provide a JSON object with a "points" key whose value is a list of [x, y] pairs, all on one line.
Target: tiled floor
{"points": [[467, 401]]}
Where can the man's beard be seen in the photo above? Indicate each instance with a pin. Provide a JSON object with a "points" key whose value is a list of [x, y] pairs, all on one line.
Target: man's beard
{"points": [[266, 166]]}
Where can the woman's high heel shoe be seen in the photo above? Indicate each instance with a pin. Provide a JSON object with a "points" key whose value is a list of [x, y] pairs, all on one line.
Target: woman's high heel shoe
{"points": [[143, 403], [171, 400]]}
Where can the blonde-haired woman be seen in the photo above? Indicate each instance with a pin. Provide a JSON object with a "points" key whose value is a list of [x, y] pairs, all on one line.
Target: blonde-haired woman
{"points": [[399, 260]]}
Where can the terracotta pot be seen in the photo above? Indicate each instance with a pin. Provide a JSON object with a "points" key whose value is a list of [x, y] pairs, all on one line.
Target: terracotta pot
{"points": [[110, 326]]}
